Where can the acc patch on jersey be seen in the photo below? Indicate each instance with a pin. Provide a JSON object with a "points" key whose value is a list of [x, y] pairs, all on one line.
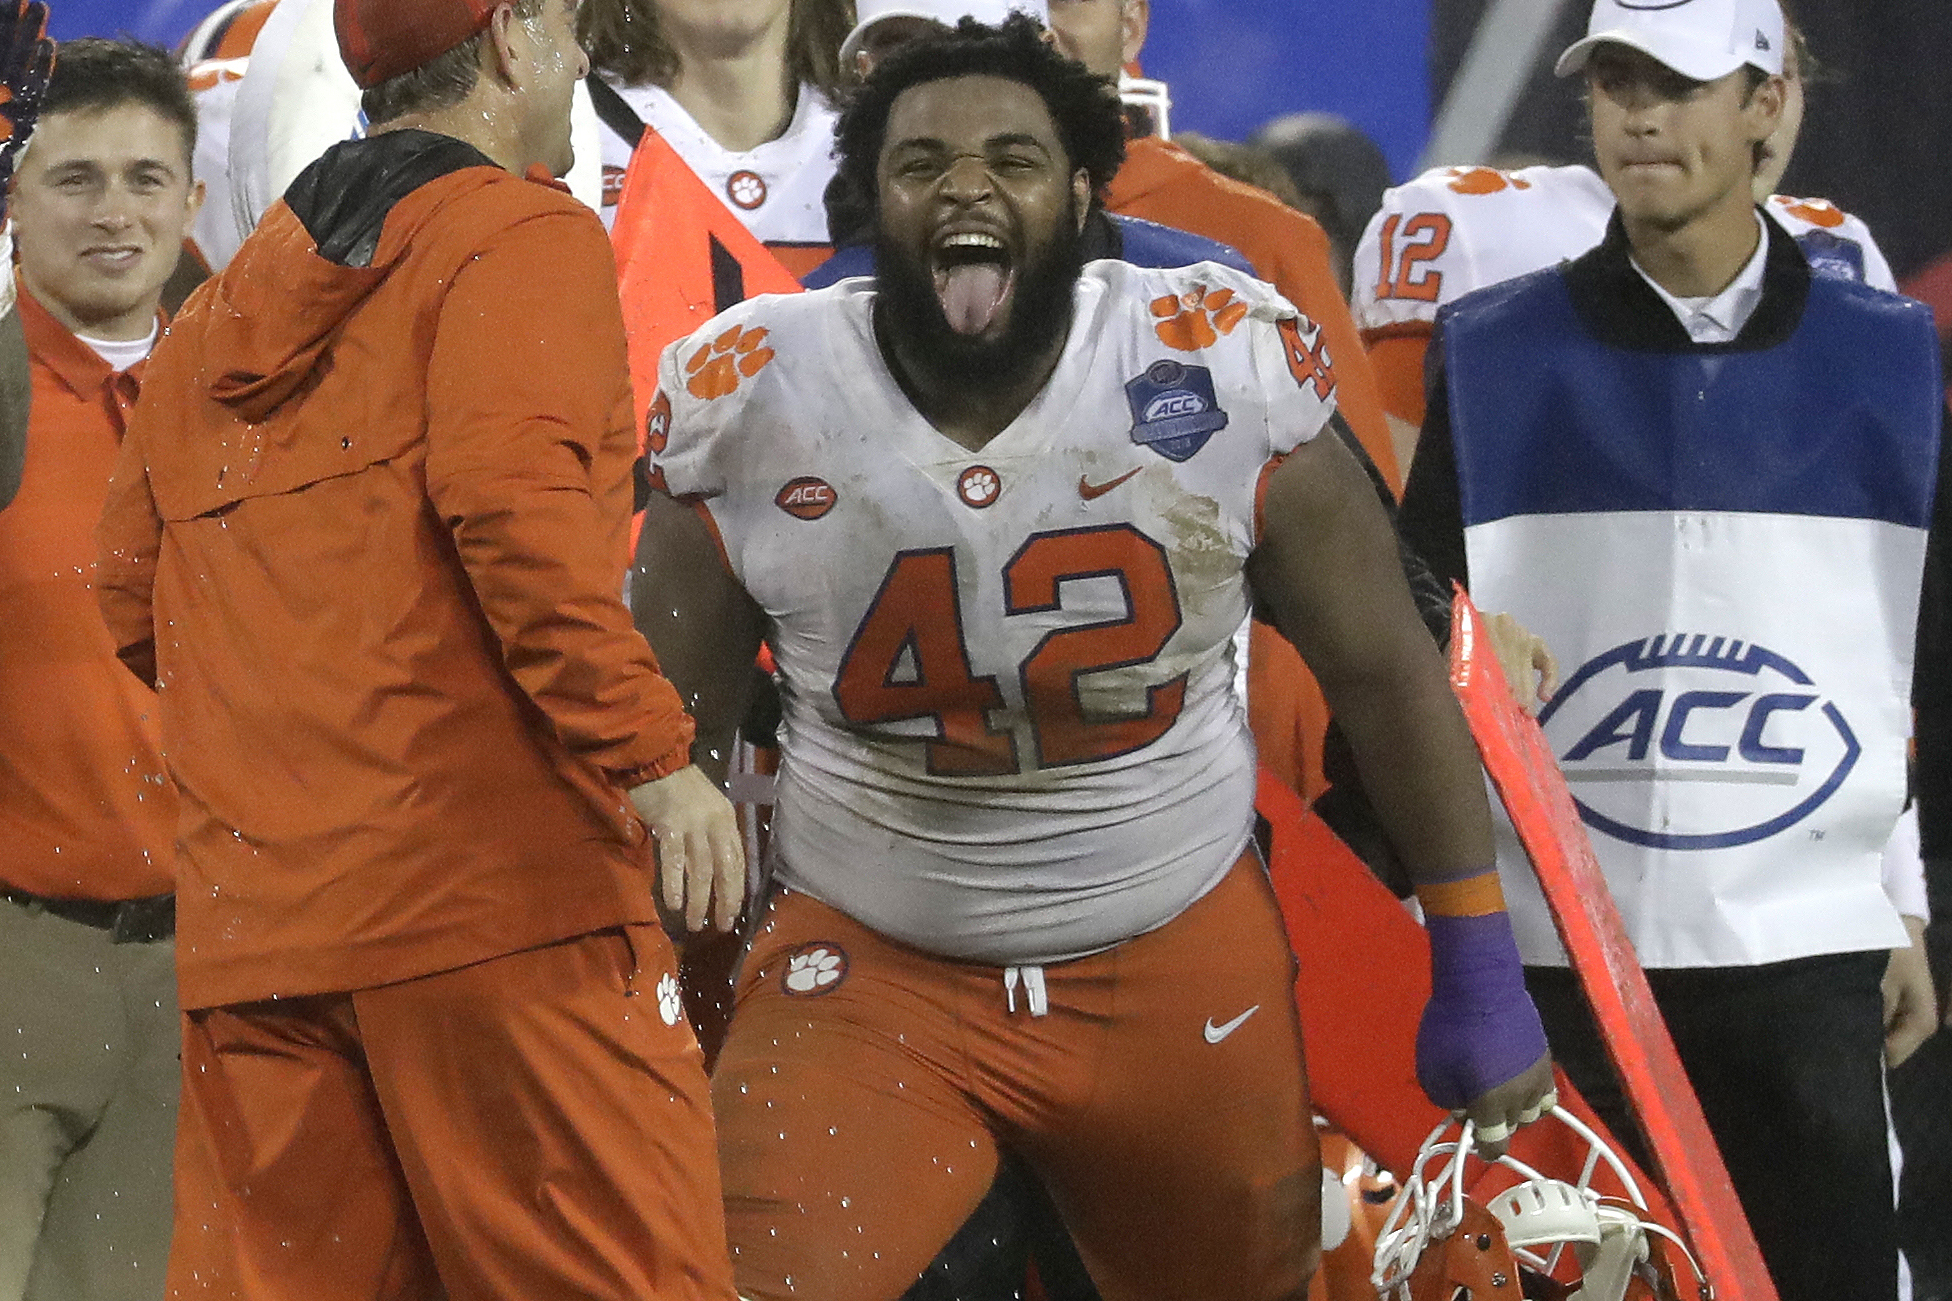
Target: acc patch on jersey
{"points": [[1174, 410], [807, 497]]}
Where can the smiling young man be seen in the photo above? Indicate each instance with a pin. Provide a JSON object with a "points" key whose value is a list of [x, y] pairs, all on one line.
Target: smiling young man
{"points": [[1705, 476], [367, 535], [88, 1095], [999, 516]]}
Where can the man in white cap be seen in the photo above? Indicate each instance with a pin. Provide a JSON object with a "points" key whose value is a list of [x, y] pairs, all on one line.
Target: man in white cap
{"points": [[1705, 475]]}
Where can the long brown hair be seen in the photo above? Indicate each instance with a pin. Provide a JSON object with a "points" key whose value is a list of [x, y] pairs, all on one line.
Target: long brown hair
{"points": [[624, 39]]}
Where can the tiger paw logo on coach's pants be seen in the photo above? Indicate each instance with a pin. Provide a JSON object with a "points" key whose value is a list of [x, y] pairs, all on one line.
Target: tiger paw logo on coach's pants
{"points": [[670, 1000], [816, 968]]}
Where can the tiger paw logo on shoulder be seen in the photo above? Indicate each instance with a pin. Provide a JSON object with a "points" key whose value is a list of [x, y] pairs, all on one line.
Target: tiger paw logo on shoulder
{"points": [[717, 369], [1197, 319]]}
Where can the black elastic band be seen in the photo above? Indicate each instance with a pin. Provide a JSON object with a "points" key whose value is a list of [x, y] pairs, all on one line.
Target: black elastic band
{"points": [[613, 112]]}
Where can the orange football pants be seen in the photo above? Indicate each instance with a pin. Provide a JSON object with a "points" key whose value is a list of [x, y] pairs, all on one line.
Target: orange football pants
{"points": [[536, 1125], [1157, 1088]]}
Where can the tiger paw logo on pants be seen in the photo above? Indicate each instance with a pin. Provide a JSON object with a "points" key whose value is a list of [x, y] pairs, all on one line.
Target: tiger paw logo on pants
{"points": [[717, 368], [670, 1000], [816, 968]]}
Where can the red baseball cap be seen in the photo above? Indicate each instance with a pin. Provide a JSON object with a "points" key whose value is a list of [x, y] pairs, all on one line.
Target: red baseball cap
{"points": [[380, 39]]}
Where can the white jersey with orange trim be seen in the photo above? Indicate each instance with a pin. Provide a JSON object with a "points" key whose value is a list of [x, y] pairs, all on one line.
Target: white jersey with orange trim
{"points": [[1010, 728], [777, 188], [215, 56], [214, 84], [1453, 230]]}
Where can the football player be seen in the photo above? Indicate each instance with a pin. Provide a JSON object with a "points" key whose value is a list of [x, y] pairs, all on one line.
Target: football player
{"points": [[999, 515], [742, 91]]}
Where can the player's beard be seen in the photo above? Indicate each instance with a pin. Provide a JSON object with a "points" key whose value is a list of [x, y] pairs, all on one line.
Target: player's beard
{"points": [[1040, 310]]}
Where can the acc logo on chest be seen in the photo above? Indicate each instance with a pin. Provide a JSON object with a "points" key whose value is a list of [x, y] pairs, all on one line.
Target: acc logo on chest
{"points": [[1693, 742], [806, 497], [1174, 410]]}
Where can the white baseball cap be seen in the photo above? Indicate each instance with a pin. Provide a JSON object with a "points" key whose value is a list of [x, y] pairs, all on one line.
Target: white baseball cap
{"points": [[1701, 39], [946, 12]]}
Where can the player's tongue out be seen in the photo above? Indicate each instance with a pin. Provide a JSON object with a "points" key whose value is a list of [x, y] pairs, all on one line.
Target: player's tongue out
{"points": [[972, 280]]}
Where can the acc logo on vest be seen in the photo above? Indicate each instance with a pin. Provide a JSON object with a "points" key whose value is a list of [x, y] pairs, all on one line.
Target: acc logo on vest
{"points": [[1689, 741]]}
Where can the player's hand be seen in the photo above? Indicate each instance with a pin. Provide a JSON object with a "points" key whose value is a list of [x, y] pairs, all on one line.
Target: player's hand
{"points": [[1910, 1001], [1481, 1051], [701, 861], [1526, 660], [1519, 1101], [26, 61]]}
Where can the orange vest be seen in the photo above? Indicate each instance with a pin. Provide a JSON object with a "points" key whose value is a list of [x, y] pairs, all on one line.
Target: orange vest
{"points": [[682, 258]]}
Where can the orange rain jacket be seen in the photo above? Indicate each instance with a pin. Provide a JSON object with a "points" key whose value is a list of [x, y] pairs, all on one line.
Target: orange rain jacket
{"points": [[1162, 182], [368, 534]]}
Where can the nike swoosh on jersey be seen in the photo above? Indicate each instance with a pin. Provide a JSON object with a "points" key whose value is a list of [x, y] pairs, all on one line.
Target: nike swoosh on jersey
{"points": [[1091, 491], [1215, 1033]]}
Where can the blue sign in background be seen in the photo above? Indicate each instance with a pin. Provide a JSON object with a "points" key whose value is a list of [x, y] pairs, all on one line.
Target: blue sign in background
{"points": [[1232, 65]]}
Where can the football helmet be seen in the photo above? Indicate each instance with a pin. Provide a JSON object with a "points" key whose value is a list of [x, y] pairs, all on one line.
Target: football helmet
{"points": [[1539, 1237]]}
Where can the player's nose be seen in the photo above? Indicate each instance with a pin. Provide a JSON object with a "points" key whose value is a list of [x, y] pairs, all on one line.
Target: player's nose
{"points": [[967, 179]]}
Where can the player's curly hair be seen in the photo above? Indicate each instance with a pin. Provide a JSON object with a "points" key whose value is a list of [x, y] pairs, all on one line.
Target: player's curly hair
{"points": [[1084, 108]]}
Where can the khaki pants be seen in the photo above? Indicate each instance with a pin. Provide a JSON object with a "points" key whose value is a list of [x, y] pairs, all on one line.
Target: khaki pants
{"points": [[88, 1084]]}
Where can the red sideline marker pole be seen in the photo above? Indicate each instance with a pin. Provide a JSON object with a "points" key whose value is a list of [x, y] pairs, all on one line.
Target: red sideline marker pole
{"points": [[1534, 792]]}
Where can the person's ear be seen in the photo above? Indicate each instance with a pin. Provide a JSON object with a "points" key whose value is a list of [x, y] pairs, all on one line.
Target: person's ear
{"points": [[498, 55], [1136, 19], [1765, 108]]}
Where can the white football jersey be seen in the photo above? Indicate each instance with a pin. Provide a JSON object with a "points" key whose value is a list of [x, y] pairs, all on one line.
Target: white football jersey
{"points": [[777, 189], [1010, 731], [1453, 230], [214, 85]]}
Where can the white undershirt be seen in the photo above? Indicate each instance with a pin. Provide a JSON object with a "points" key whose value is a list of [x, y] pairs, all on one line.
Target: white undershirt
{"points": [[1718, 318], [120, 354]]}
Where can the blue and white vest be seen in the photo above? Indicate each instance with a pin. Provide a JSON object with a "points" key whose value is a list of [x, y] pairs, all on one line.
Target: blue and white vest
{"points": [[1723, 548]]}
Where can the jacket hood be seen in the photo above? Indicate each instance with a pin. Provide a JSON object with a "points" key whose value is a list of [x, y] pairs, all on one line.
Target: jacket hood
{"points": [[319, 253]]}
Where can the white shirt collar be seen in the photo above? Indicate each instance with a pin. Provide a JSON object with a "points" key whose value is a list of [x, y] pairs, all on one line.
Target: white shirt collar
{"points": [[1719, 318], [120, 354]]}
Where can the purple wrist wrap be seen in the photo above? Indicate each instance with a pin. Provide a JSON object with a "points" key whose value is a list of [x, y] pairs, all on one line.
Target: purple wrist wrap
{"points": [[1479, 1029]]}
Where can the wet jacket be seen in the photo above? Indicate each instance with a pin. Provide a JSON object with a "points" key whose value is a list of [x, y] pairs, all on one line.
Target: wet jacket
{"points": [[368, 535]]}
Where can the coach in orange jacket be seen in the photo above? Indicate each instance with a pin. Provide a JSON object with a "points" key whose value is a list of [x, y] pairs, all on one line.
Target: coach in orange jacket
{"points": [[367, 535], [1162, 182]]}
